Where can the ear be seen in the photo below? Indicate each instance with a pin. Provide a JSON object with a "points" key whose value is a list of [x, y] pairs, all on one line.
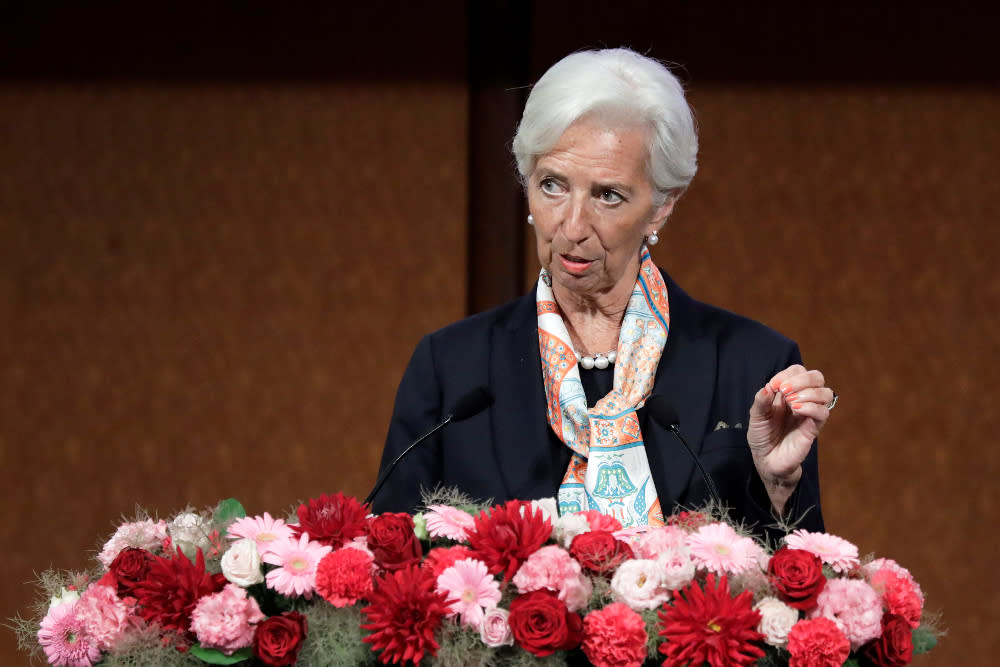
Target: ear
{"points": [[661, 214]]}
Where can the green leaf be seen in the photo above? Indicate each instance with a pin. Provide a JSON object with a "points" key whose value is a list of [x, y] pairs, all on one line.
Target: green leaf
{"points": [[216, 657], [229, 510], [923, 640], [851, 662]]}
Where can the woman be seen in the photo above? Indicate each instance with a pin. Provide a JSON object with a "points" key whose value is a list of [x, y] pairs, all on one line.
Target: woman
{"points": [[605, 147]]}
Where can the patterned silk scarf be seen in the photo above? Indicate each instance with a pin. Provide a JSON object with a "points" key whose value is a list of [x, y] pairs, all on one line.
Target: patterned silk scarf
{"points": [[608, 470]]}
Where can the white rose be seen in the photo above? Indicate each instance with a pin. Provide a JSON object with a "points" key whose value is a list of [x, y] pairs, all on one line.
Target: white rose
{"points": [[241, 563], [189, 532], [495, 629], [64, 597], [776, 620]]}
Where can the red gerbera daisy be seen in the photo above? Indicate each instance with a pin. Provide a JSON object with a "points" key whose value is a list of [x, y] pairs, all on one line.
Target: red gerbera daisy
{"points": [[708, 626], [504, 536], [172, 588], [404, 613], [332, 519]]}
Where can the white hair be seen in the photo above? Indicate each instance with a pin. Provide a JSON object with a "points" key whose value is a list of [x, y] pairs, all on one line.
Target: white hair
{"points": [[617, 85]]}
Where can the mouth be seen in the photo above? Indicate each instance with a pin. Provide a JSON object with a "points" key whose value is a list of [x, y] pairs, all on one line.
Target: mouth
{"points": [[575, 264]]}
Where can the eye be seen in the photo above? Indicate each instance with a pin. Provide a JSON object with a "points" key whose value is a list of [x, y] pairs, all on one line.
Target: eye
{"points": [[550, 186], [609, 196]]}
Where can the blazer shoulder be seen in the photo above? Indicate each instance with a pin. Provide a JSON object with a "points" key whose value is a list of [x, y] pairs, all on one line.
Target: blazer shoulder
{"points": [[473, 327]]}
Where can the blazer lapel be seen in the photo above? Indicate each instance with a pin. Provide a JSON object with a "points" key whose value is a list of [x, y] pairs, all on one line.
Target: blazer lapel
{"points": [[520, 425], [686, 375]]}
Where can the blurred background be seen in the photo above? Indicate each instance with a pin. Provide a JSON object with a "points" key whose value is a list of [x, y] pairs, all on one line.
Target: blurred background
{"points": [[225, 225]]}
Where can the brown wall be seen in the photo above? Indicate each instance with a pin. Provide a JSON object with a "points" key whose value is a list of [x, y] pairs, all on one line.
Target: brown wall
{"points": [[210, 292]]}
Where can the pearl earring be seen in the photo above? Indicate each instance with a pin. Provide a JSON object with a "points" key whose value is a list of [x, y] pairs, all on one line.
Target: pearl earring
{"points": [[531, 219], [653, 238]]}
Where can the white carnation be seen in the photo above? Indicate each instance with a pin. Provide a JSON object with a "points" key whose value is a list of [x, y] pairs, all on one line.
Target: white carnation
{"points": [[776, 620], [146, 534], [65, 597], [189, 532]]}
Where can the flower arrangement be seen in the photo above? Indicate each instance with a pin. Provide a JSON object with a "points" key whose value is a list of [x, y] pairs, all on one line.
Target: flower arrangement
{"points": [[461, 585]]}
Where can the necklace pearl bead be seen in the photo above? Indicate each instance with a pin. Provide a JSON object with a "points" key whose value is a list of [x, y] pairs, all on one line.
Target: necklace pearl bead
{"points": [[599, 361]]}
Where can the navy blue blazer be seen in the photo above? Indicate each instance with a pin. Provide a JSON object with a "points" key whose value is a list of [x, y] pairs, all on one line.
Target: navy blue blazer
{"points": [[713, 364]]}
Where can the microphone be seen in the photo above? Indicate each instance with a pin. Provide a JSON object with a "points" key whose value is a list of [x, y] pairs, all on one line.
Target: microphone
{"points": [[665, 414], [468, 405]]}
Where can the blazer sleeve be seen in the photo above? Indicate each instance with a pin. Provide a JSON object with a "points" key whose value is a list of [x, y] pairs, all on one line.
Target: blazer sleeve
{"points": [[803, 507], [417, 410]]}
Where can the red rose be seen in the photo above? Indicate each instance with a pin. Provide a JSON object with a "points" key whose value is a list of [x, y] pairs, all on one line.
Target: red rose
{"points": [[798, 577], [599, 551], [129, 567], [895, 647], [393, 542], [277, 640], [541, 623]]}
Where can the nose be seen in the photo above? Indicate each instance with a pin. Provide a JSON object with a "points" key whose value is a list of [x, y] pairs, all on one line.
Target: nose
{"points": [[576, 225]]}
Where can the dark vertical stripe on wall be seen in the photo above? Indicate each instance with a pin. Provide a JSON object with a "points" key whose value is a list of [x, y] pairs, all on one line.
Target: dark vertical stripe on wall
{"points": [[498, 73]]}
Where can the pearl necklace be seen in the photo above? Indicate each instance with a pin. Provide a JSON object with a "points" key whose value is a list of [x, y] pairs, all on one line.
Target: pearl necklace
{"points": [[600, 360]]}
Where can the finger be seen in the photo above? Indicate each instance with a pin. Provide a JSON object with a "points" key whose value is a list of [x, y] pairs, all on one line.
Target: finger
{"points": [[815, 411], [783, 376], [765, 402], [800, 381], [822, 396]]}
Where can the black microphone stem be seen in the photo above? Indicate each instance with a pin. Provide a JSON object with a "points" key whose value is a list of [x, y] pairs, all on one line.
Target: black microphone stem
{"points": [[392, 466], [712, 491]]}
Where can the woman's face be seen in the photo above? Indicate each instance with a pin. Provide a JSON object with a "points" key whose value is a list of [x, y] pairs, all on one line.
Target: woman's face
{"points": [[592, 202]]}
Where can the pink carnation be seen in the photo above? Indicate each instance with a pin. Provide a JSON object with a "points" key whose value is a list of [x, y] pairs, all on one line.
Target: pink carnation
{"points": [[553, 568], [614, 636], [226, 620], [835, 551], [64, 640], [103, 614], [345, 576], [449, 522], [854, 606], [900, 594], [720, 549], [148, 534], [888, 564], [817, 643], [677, 567], [657, 541]]}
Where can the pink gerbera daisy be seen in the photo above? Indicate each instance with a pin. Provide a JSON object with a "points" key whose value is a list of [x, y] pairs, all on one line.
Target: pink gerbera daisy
{"points": [[720, 549], [64, 640], [469, 587], [835, 551], [265, 531], [296, 561], [449, 522]]}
